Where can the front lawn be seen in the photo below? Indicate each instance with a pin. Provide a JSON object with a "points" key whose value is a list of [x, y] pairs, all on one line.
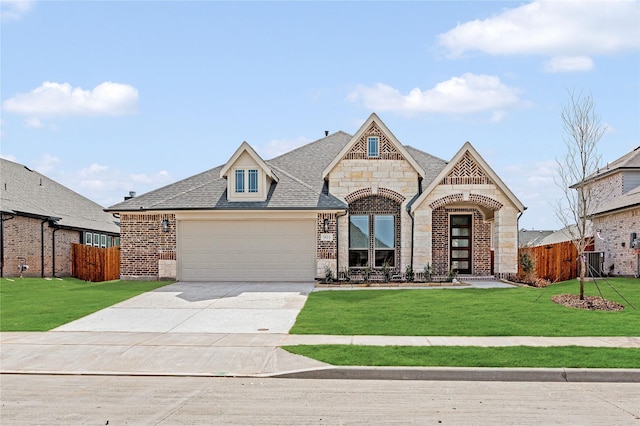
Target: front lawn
{"points": [[37, 304], [470, 312], [472, 356]]}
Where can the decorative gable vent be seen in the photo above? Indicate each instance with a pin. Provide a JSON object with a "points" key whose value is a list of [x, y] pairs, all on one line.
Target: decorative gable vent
{"points": [[387, 151], [467, 172]]}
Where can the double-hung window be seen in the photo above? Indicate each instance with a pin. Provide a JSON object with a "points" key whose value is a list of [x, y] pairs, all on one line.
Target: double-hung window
{"points": [[253, 180], [246, 181], [373, 146], [239, 180]]}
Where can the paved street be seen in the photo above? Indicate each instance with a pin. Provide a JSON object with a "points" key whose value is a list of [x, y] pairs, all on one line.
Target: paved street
{"points": [[96, 400]]}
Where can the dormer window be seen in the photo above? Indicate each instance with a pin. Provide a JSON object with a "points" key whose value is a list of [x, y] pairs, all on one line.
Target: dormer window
{"points": [[253, 180], [246, 180], [373, 145], [248, 176], [239, 180]]}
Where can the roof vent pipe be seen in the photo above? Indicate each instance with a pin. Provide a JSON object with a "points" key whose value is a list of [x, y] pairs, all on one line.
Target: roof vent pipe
{"points": [[131, 195], [326, 133]]}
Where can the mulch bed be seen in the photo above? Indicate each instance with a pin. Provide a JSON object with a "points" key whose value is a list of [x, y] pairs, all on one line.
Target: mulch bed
{"points": [[592, 303]]}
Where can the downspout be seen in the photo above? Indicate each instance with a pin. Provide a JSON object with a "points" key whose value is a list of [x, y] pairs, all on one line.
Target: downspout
{"points": [[338, 244], [412, 231], [53, 252], [1, 244], [2, 220], [42, 246], [413, 220]]}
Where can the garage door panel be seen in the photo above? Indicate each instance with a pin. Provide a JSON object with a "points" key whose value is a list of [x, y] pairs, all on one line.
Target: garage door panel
{"points": [[271, 250]]}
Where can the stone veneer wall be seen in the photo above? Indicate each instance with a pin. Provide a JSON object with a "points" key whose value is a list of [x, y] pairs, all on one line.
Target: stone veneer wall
{"points": [[22, 240], [481, 241], [375, 177], [615, 229], [144, 246]]}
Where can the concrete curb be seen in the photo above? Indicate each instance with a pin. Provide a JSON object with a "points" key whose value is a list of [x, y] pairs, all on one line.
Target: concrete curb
{"points": [[569, 375], [469, 374]]}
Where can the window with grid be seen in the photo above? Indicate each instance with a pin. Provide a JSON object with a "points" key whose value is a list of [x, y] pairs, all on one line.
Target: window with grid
{"points": [[239, 180], [373, 146], [253, 180]]}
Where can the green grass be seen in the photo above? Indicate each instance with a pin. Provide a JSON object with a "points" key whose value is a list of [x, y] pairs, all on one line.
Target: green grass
{"points": [[36, 304], [469, 356], [469, 312]]}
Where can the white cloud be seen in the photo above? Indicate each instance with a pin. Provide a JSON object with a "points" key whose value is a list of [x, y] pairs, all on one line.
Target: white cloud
{"points": [[106, 185], [61, 99], [277, 147], [533, 183], [36, 123], [46, 163], [14, 9], [550, 28], [466, 94], [569, 64]]}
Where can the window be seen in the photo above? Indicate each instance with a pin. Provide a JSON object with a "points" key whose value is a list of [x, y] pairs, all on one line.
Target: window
{"points": [[358, 241], [381, 248], [373, 143], [253, 180], [88, 238], [239, 180], [96, 240], [103, 241], [384, 233]]}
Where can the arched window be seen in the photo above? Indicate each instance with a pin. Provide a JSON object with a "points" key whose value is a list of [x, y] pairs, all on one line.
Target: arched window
{"points": [[374, 232]]}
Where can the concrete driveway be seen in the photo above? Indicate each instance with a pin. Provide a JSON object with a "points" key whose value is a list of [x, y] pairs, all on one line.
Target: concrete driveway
{"points": [[203, 307]]}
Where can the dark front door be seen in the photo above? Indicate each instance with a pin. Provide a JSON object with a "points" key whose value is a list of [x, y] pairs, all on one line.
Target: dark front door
{"points": [[460, 243]]}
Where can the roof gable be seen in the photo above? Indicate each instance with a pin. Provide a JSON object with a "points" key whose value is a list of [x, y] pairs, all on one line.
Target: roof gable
{"points": [[390, 147], [468, 167], [246, 148]]}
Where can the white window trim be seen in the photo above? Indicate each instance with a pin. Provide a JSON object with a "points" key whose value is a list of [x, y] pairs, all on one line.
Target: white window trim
{"points": [[377, 142]]}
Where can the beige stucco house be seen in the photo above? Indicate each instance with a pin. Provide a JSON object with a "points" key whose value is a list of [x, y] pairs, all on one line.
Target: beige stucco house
{"points": [[341, 202]]}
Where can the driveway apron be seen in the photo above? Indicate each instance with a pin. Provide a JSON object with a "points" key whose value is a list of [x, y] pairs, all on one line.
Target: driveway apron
{"points": [[203, 307]]}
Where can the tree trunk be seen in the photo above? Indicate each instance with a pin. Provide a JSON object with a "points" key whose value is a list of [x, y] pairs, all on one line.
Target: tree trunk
{"points": [[582, 273]]}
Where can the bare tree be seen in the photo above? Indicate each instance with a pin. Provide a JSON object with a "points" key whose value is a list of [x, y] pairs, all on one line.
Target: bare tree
{"points": [[576, 173]]}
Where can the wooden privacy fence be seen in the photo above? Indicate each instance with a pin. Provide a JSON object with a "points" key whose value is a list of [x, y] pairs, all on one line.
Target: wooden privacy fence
{"points": [[554, 262], [95, 264]]}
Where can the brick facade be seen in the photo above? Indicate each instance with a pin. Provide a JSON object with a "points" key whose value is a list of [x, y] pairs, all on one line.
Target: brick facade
{"points": [[22, 239], [380, 205], [481, 241], [615, 230], [144, 244]]}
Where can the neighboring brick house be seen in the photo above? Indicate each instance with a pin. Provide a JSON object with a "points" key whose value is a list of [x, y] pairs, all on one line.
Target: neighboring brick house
{"points": [[341, 202], [40, 219], [616, 220]]}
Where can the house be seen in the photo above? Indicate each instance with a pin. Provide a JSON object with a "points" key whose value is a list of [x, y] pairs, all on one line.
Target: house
{"points": [[40, 221], [532, 237], [616, 218], [341, 203]]}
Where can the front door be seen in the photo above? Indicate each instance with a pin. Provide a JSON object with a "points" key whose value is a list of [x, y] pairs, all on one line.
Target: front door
{"points": [[460, 243]]}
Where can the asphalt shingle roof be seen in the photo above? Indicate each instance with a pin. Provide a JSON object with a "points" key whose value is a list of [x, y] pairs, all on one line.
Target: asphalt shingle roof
{"points": [[300, 183], [29, 192]]}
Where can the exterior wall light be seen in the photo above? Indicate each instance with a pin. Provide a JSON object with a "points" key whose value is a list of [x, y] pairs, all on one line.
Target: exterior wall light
{"points": [[326, 225], [165, 225]]}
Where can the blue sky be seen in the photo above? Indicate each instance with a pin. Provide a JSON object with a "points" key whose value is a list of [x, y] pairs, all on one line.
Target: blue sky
{"points": [[111, 97]]}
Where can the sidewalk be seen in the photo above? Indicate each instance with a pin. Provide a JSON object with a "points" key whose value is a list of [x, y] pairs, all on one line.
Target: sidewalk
{"points": [[260, 355]]}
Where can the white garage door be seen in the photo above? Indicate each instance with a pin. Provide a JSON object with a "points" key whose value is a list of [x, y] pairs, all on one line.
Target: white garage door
{"points": [[247, 250]]}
